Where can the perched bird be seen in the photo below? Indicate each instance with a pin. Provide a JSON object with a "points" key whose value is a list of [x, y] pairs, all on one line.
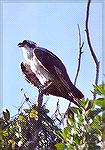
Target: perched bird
{"points": [[46, 71]]}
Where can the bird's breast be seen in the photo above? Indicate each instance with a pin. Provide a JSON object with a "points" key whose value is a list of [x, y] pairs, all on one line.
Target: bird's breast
{"points": [[40, 71]]}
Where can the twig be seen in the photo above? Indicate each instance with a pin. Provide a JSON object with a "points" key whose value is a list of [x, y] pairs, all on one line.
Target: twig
{"points": [[90, 46], [80, 54], [25, 101], [81, 44]]}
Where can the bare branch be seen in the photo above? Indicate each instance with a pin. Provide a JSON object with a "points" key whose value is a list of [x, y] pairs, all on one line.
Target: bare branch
{"points": [[81, 44], [90, 45], [80, 54]]}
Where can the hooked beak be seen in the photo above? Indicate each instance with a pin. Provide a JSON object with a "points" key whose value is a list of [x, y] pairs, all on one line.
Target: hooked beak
{"points": [[20, 44]]}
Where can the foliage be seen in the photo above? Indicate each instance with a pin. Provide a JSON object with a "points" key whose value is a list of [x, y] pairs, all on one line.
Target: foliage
{"points": [[24, 132], [83, 128]]}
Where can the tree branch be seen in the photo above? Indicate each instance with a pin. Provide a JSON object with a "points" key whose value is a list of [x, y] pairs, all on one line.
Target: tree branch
{"points": [[90, 46], [80, 54], [38, 123], [40, 99]]}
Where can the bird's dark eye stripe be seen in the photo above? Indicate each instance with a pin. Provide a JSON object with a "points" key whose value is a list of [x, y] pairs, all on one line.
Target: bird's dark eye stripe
{"points": [[32, 45], [29, 44], [25, 42]]}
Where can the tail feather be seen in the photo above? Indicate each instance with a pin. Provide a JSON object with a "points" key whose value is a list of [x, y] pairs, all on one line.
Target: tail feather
{"points": [[61, 91], [76, 93], [72, 90]]}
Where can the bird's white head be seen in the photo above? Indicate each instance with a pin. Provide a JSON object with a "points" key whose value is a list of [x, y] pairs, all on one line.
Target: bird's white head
{"points": [[27, 48]]}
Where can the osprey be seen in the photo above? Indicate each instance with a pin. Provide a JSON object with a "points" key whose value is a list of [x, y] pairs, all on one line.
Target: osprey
{"points": [[46, 71]]}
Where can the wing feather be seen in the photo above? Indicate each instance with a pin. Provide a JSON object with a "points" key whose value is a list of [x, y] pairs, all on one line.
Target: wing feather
{"points": [[57, 69], [52, 63]]}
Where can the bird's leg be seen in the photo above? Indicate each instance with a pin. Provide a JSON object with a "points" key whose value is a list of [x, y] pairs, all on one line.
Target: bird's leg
{"points": [[45, 87]]}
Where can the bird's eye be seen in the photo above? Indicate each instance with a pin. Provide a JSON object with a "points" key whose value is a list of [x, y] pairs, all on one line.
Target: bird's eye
{"points": [[24, 42]]}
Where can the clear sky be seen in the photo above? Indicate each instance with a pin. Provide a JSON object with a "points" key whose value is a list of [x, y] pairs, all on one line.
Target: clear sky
{"points": [[52, 26]]}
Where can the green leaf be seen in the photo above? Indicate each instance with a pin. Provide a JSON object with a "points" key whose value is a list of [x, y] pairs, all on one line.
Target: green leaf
{"points": [[34, 114], [82, 102], [74, 109], [95, 112], [5, 133], [20, 117], [71, 122], [95, 131], [70, 147], [26, 110], [47, 111], [88, 105], [6, 115], [100, 102], [100, 89], [1, 140], [60, 146], [67, 131], [80, 118], [103, 117], [63, 135], [10, 141], [95, 124]]}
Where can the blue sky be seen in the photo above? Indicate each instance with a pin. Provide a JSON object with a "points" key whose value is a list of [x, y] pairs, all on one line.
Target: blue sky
{"points": [[53, 26]]}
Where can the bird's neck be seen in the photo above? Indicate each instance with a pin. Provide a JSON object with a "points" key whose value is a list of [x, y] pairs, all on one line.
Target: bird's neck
{"points": [[28, 54]]}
